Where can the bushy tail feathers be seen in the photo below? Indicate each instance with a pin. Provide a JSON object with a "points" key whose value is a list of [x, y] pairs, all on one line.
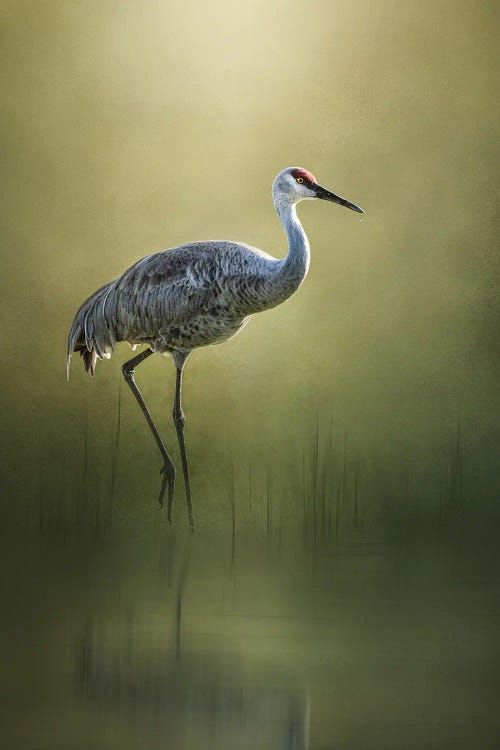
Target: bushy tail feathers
{"points": [[90, 333]]}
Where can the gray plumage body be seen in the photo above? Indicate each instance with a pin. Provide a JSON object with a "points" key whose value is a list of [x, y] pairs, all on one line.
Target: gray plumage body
{"points": [[194, 295], [180, 299]]}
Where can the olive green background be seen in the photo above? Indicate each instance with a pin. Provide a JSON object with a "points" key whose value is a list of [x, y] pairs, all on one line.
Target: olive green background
{"points": [[343, 449], [132, 127]]}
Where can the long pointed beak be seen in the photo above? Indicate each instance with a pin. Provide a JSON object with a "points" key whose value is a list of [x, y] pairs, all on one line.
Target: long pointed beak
{"points": [[326, 195]]}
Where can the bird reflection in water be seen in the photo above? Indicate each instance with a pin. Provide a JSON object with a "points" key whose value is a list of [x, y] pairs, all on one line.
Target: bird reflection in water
{"points": [[194, 700]]}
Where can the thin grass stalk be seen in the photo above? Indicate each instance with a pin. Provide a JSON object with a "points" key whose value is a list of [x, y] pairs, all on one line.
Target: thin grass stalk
{"points": [[315, 476], [41, 444], [440, 509], [344, 474], [326, 510], [268, 502], [97, 507], [361, 517], [85, 488], [233, 511], [458, 460], [337, 510], [330, 473], [355, 496], [304, 497], [279, 530], [116, 453], [250, 490], [323, 501]]}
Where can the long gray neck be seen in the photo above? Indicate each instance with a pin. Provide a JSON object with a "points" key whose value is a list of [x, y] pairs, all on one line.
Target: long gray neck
{"points": [[290, 272]]}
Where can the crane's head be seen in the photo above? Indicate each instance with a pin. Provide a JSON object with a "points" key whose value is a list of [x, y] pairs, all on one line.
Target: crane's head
{"points": [[295, 184]]}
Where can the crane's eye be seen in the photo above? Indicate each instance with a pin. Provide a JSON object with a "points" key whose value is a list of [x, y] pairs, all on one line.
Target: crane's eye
{"points": [[300, 179]]}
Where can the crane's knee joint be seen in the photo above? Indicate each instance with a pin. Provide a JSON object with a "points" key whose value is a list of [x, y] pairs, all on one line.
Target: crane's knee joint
{"points": [[128, 372], [179, 418]]}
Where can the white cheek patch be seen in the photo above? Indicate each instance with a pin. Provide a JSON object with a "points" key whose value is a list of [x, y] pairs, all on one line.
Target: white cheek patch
{"points": [[306, 193]]}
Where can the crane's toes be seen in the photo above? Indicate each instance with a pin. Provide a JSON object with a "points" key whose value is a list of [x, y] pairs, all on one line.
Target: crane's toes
{"points": [[168, 470]]}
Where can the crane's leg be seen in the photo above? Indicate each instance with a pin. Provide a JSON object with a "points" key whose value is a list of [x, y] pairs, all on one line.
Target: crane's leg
{"points": [[180, 422], [168, 469]]}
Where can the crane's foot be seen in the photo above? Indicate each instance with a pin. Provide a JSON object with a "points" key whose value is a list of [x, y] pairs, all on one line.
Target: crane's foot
{"points": [[168, 481]]}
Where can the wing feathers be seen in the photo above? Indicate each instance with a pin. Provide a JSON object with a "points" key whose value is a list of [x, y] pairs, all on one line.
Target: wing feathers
{"points": [[160, 290]]}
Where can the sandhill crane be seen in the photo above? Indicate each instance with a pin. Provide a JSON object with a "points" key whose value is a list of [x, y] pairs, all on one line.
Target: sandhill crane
{"points": [[193, 295]]}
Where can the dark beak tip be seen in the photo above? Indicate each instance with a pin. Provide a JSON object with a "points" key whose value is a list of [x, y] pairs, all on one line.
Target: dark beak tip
{"points": [[327, 195]]}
